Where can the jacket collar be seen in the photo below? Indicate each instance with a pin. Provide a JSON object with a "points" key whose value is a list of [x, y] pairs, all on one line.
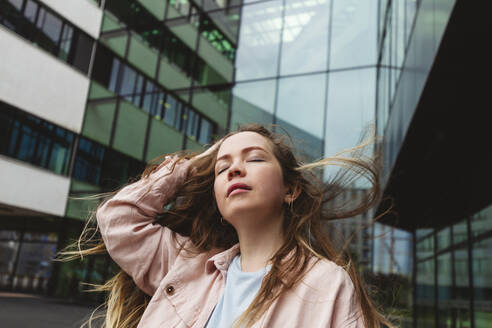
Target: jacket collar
{"points": [[221, 260]]}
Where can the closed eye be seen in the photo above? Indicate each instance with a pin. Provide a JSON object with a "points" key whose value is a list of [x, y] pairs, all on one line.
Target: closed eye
{"points": [[256, 160], [222, 170]]}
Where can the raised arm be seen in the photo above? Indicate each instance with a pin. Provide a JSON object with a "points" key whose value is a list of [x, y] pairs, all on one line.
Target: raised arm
{"points": [[142, 248]]}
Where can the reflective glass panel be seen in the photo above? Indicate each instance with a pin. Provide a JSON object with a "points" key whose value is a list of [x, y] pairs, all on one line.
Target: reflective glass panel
{"points": [[253, 102], [205, 131], [425, 294], [482, 271], [88, 162], [353, 33], [305, 36], [410, 11], [481, 222], [350, 111], [444, 279], [128, 82], [16, 3], [192, 121], [9, 249], [66, 42], [115, 66], [443, 238], [35, 259], [257, 53], [425, 247], [460, 232], [82, 52], [33, 140], [31, 10], [215, 4], [50, 25], [228, 22], [172, 113], [462, 290], [300, 111]]}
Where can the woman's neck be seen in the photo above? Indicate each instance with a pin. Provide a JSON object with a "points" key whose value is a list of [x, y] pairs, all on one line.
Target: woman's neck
{"points": [[259, 243]]}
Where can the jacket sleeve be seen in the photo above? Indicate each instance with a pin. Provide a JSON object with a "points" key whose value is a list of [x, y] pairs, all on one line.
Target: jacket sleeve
{"points": [[346, 311], [143, 249]]}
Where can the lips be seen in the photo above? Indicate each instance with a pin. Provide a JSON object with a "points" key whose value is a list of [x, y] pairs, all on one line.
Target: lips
{"points": [[237, 186]]}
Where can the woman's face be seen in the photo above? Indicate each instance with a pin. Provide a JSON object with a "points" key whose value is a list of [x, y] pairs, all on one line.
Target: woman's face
{"points": [[248, 178]]}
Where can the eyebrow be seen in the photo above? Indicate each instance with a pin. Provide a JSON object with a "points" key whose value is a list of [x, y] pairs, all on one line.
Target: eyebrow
{"points": [[245, 150]]}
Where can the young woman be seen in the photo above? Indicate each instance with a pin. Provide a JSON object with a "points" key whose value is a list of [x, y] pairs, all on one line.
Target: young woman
{"points": [[233, 237]]}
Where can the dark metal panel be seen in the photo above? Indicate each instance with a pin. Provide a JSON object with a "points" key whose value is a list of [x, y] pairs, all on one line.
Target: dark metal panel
{"points": [[441, 170]]}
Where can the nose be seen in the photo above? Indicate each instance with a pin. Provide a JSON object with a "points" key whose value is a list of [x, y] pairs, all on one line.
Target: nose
{"points": [[236, 170]]}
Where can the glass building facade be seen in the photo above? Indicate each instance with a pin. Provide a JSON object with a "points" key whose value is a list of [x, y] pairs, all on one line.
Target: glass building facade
{"points": [[169, 75], [453, 275], [307, 66], [151, 77], [419, 41]]}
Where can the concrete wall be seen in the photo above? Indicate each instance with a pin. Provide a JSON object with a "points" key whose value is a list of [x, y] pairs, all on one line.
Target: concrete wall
{"points": [[82, 13], [39, 83], [25, 186]]}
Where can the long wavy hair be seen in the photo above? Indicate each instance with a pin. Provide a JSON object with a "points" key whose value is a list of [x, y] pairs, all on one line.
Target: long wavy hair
{"points": [[191, 214]]}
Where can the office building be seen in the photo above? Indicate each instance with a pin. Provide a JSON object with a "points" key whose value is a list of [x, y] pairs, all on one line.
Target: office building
{"points": [[432, 109], [91, 91]]}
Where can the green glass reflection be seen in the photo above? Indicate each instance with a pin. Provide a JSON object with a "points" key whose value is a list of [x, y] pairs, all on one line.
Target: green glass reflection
{"points": [[142, 56], [425, 294], [444, 279], [425, 247], [212, 104], [482, 281], [77, 206], [443, 238], [482, 319], [163, 139], [129, 136], [157, 8], [460, 232], [99, 120], [481, 222]]}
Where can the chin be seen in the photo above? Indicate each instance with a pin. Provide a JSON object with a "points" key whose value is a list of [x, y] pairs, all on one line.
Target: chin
{"points": [[242, 212]]}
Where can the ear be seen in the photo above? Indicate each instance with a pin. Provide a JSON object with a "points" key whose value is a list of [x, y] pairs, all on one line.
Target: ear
{"points": [[292, 194]]}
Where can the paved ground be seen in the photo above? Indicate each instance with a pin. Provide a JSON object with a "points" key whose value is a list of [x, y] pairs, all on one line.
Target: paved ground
{"points": [[32, 311]]}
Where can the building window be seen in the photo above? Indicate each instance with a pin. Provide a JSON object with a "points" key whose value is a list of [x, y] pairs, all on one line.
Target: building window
{"points": [[173, 112], [34, 140], [192, 123], [16, 3], [206, 130], [146, 94], [49, 31], [104, 167], [88, 162]]}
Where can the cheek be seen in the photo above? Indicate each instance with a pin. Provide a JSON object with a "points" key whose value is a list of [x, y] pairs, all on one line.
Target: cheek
{"points": [[274, 184], [218, 194]]}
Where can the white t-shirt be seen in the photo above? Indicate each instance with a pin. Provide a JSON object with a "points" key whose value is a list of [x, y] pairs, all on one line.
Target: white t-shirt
{"points": [[240, 290]]}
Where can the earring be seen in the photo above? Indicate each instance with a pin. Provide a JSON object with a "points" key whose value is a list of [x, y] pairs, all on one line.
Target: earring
{"points": [[222, 221], [291, 205]]}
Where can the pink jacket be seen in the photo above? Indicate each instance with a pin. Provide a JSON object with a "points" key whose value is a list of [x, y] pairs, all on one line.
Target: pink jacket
{"points": [[186, 289]]}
